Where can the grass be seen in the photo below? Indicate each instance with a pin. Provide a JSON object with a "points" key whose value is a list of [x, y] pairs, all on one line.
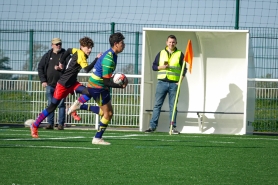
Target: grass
{"points": [[68, 157]]}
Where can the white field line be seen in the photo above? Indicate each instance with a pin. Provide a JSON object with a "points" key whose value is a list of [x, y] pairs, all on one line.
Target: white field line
{"points": [[165, 140], [50, 138], [54, 147], [107, 134], [123, 137]]}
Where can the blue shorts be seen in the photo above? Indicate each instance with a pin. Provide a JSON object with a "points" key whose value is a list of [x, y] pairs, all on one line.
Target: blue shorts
{"points": [[101, 96]]}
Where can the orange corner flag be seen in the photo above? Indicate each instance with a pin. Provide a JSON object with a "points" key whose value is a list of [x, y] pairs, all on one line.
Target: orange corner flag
{"points": [[188, 57]]}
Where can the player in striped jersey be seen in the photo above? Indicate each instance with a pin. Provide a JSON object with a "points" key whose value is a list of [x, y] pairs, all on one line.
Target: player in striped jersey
{"points": [[68, 81], [99, 84]]}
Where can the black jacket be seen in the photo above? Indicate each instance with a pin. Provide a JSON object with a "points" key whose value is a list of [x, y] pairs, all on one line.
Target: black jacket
{"points": [[43, 64]]}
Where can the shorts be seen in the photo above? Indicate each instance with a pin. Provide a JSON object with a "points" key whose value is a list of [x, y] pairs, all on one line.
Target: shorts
{"points": [[62, 92], [101, 96]]}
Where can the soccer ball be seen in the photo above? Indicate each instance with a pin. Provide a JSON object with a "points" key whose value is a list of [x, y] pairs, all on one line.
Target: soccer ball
{"points": [[28, 122], [119, 78]]}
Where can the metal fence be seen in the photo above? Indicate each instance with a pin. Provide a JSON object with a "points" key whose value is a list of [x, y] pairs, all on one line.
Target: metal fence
{"points": [[25, 99], [266, 107], [22, 43]]}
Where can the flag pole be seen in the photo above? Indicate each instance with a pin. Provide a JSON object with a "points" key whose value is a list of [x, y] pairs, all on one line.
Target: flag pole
{"points": [[176, 99], [188, 57]]}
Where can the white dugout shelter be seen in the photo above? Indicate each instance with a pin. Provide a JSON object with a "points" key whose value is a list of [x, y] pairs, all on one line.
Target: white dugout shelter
{"points": [[215, 97]]}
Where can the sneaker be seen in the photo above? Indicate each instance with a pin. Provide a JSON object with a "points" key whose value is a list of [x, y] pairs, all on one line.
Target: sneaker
{"points": [[75, 116], [149, 130], [60, 127], [48, 127], [75, 106], [99, 141], [34, 131], [174, 131]]}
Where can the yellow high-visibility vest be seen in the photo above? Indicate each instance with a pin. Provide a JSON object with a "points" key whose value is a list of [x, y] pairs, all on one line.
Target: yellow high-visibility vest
{"points": [[174, 70]]}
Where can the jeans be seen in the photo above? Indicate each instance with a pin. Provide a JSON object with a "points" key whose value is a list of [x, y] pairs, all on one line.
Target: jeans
{"points": [[162, 88], [61, 106]]}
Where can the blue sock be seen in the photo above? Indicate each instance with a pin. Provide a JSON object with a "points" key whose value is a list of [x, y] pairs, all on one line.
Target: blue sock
{"points": [[94, 109], [83, 98], [40, 118], [102, 127]]}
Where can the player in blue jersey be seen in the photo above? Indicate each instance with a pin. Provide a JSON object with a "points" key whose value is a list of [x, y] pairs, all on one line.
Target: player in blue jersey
{"points": [[99, 84]]}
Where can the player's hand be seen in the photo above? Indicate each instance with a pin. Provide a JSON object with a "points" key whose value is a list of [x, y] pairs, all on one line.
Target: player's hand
{"points": [[44, 84], [125, 84], [99, 55]]}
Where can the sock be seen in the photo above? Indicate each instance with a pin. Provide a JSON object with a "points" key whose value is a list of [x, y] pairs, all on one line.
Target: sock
{"points": [[83, 98], [40, 118], [94, 109], [102, 127]]}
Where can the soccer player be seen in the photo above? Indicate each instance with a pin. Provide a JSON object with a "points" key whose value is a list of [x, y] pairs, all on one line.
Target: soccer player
{"points": [[99, 84], [68, 81]]}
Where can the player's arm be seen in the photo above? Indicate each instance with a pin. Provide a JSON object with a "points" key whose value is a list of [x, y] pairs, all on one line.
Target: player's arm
{"points": [[109, 83], [91, 66], [66, 55]]}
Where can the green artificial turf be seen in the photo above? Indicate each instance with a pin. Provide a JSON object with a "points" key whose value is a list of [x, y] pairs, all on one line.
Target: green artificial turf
{"points": [[68, 157]]}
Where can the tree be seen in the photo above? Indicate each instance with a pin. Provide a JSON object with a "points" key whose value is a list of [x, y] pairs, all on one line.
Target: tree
{"points": [[38, 51], [4, 65], [129, 69]]}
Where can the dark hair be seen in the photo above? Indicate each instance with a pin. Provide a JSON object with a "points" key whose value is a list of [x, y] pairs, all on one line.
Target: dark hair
{"points": [[172, 37], [115, 38], [86, 41]]}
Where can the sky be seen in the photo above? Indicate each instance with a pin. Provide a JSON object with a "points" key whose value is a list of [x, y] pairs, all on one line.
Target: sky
{"points": [[253, 13]]}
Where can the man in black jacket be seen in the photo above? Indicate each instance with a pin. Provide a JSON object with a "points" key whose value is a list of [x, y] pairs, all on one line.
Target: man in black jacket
{"points": [[49, 73]]}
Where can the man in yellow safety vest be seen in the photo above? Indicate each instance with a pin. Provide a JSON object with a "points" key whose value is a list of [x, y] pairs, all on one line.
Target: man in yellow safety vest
{"points": [[168, 62]]}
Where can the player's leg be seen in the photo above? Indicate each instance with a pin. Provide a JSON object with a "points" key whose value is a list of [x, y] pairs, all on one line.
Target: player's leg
{"points": [[62, 114], [103, 99], [94, 109], [79, 103], [51, 108], [80, 89], [59, 93]]}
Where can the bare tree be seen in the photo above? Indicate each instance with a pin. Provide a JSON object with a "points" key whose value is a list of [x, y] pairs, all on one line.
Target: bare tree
{"points": [[38, 51], [129, 69], [4, 65]]}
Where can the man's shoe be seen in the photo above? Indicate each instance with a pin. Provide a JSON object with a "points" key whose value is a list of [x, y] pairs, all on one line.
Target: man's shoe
{"points": [[34, 131], [149, 130], [75, 116], [60, 127], [99, 141], [48, 127], [75, 106], [174, 131]]}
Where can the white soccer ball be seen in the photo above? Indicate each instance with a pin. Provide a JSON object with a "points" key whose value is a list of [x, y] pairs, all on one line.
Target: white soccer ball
{"points": [[119, 78], [28, 122]]}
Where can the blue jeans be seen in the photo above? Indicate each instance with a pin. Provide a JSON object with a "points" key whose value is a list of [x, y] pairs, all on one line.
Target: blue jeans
{"points": [[162, 88], [61, 106]]}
